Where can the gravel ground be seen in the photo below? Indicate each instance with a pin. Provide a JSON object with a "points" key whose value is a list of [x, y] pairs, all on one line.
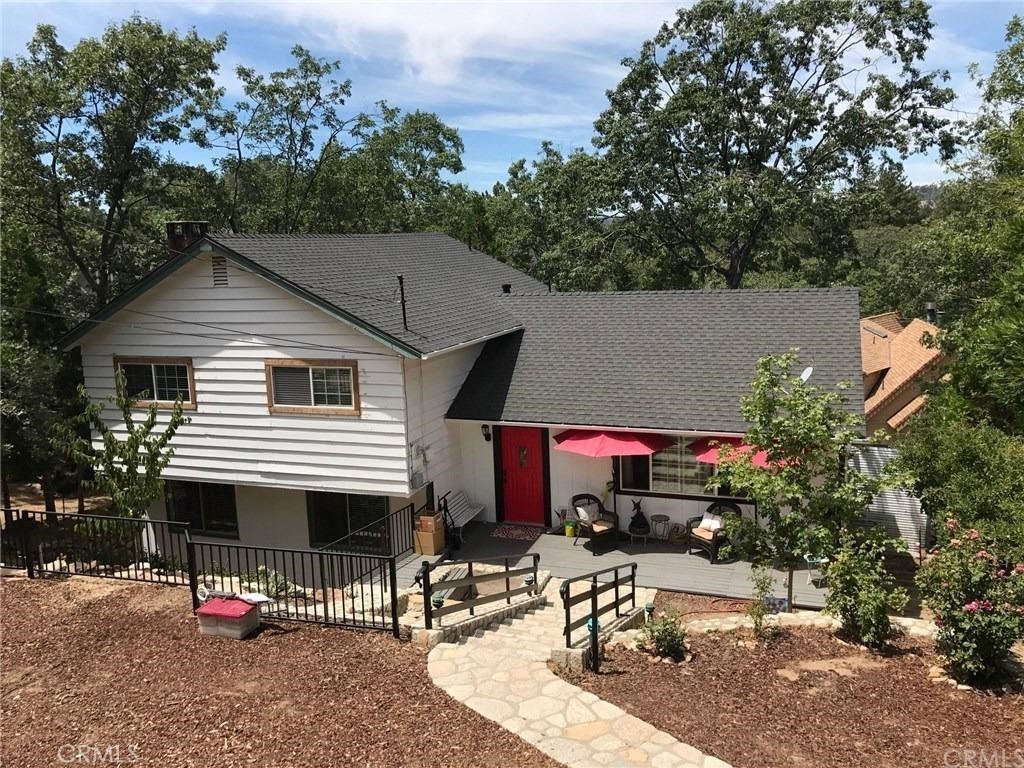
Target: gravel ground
{"points": [[808, 700], [110, 664]]}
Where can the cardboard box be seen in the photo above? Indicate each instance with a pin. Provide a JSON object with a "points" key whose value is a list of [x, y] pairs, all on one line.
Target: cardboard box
{"points": [[429, 542], [429, 521]]}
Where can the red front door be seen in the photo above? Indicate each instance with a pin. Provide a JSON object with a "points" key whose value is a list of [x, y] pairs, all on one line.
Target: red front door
{"points": [[522, 465]]}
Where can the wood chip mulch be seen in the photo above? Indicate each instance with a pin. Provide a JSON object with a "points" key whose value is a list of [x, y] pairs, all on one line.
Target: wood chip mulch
{"points": [[109, 664], [809, 700]]}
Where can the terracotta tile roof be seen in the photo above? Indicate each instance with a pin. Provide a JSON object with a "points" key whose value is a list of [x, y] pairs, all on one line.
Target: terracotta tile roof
{"points": [[890, 321], [901, 416], [909, 357], [874, 347]]}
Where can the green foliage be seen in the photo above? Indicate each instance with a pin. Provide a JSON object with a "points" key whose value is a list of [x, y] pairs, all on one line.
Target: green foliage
{"points": [[110, 543], [764, 588], [968, 470], [723, 137], [861, 592], [977, 595], [269, 582], [128, 469], [663, 636], [806, 495]]}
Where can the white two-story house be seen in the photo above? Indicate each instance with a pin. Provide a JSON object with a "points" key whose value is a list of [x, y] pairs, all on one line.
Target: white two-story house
{"points": [[332, 378]]}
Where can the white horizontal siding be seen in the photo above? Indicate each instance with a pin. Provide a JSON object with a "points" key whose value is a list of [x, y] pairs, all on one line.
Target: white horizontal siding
{"points": [[431, 385], [232, 436]]}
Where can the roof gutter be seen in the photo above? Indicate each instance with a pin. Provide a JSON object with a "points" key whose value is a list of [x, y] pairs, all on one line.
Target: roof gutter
{"points": [[555, 425], [471, 342]]}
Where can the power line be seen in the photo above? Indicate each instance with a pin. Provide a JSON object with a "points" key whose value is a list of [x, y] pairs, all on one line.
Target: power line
{"points": [[290, 343]]}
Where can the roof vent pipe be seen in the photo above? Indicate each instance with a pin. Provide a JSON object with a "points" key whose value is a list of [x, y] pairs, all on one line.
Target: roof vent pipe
{"points": [[930, 313], [401, 293], [506, 287]]}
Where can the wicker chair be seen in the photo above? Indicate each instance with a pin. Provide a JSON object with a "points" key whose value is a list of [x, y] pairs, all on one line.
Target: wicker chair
{"points": [[600, 523], [709, 541]]}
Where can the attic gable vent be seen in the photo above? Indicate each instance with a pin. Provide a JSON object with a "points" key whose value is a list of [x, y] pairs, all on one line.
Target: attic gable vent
{"points": [[220, 271]]}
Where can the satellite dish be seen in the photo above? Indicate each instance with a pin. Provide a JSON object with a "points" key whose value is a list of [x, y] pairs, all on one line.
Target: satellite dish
{"points": [[806, 374]]}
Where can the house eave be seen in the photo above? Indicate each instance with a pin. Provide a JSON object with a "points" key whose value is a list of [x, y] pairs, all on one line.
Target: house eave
{"points": [[617, 427]]}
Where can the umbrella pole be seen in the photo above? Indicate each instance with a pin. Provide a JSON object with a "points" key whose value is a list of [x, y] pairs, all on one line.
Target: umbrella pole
{"points": [[615, 484]]}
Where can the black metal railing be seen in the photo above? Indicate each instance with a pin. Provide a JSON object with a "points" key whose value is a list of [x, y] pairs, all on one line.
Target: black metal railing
{"points": [[344, 589], [622, 589], [464, 577], [390, 536], [65, 543]]}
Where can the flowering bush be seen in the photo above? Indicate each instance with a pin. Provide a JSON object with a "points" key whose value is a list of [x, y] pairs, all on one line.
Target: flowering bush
{"points": [[862, 593], [978, 601]]}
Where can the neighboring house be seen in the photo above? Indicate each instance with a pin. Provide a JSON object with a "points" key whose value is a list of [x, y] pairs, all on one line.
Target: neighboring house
{"points": [[331, 378], [896, 360]]}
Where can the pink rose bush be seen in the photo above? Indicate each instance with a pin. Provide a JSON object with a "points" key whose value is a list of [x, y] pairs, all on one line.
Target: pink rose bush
{"points": [[978, 600]]}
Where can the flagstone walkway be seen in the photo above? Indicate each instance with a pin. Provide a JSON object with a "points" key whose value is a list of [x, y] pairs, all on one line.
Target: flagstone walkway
{"points": [[503, 675]]}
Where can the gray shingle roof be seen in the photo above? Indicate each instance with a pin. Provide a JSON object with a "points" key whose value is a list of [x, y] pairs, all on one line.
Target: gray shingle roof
{"points": [[452, 291], [676, 360]]}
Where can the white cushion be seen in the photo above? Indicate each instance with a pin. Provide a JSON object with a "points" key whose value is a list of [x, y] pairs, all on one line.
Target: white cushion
{"points": [[582, 514], [711, 522]]}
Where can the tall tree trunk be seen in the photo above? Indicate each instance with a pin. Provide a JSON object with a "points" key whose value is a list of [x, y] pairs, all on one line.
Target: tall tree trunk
{"points": [[81, 492], [5, 488], [49, 500]]}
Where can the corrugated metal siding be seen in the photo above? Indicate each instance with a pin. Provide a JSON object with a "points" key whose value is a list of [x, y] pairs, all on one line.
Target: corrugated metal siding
{"points": [[898, 510]]}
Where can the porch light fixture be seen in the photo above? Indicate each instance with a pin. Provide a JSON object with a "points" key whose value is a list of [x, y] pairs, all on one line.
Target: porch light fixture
{"points": [[485, 429]]}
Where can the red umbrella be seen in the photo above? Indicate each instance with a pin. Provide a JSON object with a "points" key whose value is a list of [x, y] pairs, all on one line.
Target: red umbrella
{"points": [[708, 453], [602, 442]]}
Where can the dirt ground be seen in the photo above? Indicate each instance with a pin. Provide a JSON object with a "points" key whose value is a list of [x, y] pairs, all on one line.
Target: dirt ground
{"points": [[809, 700], [122, 666], [692, 607], [30, 496]]}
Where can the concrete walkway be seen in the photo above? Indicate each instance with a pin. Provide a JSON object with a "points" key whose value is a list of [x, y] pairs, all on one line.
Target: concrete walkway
{"points": [[503, 675]]}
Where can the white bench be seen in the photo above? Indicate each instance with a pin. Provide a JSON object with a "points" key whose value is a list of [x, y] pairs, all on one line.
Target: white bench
{"points": [[458, 512]]}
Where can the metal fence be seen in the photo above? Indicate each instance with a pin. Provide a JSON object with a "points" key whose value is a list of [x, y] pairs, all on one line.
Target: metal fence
{"points": [[460, 576], [65, 543], [391, 535], [619, 580], [346, 589]]}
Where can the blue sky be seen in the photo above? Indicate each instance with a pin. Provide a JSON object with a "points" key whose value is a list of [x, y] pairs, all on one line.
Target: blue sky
{"points": [[506, 74]]}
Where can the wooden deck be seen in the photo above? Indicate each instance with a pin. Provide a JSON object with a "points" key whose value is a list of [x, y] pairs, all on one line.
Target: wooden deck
{"points": [[659, 565]]}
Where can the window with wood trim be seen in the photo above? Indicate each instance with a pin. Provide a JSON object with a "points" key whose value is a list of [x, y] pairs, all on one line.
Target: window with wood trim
{"points": [[333, 516], [313, 386], [208, 507], [160, 380]]}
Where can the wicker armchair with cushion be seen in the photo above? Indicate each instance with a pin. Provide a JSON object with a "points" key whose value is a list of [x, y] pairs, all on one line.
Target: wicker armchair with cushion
{"points": [[707, 532], [598, 522]]}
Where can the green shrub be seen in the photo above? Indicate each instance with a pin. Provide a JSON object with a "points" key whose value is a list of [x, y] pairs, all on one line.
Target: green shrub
{"points": [[272, 584], [764, 587], [111, 543], [861, 592], [978, 600], [663, 636]]}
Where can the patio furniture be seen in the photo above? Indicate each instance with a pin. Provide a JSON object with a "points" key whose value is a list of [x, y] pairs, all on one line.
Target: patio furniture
{"points": [[815, 568], [659, 526], [593, 518], [458, 512], [707, 534]]}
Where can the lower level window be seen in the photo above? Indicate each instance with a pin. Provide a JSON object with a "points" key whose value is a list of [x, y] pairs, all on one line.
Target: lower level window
{"points": [[208, 507], [334, 516]]}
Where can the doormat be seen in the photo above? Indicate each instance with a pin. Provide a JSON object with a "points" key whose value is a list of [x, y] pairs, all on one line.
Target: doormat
{"points": [[518, 532]]}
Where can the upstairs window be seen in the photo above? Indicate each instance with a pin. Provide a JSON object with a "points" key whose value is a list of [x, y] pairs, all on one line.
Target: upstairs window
{"points": [[313, 386], [160, 380]]}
